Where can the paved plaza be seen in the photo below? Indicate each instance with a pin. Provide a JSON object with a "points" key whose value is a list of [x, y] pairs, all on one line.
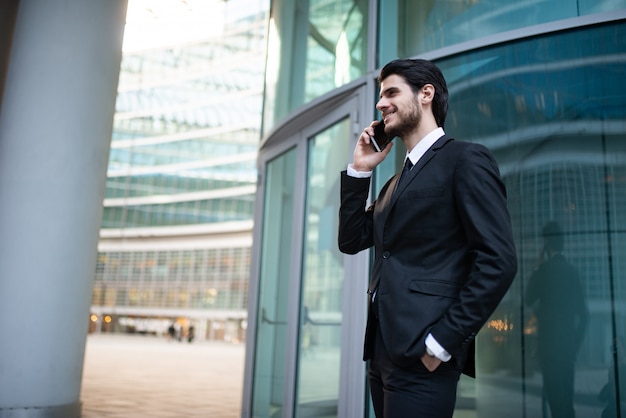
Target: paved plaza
{"points": [[134, 376]]}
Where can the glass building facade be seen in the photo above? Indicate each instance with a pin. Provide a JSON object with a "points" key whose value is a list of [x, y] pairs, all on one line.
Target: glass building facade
{"points": [[176, 231], [543, 86]]}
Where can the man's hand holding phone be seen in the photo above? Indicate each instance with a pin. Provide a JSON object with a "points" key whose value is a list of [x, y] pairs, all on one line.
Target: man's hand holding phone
{"points": [[367, 155], [380, 139]]}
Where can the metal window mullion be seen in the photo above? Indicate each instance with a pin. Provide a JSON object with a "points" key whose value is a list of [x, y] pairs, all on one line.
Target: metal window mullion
{"points": [[293, 321]]}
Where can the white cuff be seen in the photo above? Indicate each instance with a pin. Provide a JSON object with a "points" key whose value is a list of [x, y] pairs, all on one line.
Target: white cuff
{"points": [[433, 348], [359, 174]]}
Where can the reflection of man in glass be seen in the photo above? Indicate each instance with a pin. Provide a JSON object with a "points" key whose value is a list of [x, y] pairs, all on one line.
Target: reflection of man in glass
{"points": [[556, 289]]}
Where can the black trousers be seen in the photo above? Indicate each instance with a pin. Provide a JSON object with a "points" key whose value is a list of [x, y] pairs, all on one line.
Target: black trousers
{"points": [[411, 392]]}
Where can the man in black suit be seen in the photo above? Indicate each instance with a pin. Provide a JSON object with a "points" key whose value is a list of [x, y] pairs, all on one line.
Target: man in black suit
{"points": [[444, 251]]}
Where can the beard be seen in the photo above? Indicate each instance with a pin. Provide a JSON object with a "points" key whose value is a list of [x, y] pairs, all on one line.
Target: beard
{"points": [[407, 121]]}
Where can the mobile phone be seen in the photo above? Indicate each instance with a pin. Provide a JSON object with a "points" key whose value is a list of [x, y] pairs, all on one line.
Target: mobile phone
{"points": [[380, 139]]}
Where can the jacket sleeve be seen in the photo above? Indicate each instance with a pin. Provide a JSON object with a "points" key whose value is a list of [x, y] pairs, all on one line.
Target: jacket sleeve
{"points": [[355, 222], [482, 209]]}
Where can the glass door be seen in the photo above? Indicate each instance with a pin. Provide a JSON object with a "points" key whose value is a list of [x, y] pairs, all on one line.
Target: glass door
{"points": [[308, 301], [322, 281], [275, 270]]}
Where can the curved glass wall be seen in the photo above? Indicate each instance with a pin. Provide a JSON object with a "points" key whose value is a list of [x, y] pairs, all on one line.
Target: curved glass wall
{"points": [[215, 278], [552, 110], [314, 46], [176, 239], [186, 132], [409, 27]]}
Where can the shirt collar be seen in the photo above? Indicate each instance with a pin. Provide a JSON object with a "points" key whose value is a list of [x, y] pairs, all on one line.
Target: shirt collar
{"points": [[420, 149]]}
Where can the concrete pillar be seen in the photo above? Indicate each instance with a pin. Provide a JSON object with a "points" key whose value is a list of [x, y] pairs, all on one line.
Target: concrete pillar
{"points": [[55, 132]]}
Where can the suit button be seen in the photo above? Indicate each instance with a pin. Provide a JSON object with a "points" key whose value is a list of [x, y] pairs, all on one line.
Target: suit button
{"points": [[386, 254]]}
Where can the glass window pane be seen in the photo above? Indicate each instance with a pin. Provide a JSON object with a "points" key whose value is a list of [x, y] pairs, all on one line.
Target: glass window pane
{"points": [[551, 109], [335, 45], [322, 278], [408, 27], [270, 346], [314, 47]]}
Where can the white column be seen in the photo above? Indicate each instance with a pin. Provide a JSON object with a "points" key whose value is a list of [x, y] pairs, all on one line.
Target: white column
{"points": [[55, 132]]}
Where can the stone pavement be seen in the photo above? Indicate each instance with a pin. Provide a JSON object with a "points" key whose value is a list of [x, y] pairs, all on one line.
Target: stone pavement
{"points": [[134, 376]]}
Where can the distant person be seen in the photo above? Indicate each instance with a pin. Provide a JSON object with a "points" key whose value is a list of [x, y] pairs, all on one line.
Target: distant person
{"points": [[171, 332], [556, 292], [191, 333]]}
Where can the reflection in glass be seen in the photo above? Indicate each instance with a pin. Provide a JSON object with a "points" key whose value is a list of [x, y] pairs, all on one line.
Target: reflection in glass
{"points": [[314, 47], [555, 292], [410, 27], [552, 111], [270, 346], [613, 393], [322, 278]]}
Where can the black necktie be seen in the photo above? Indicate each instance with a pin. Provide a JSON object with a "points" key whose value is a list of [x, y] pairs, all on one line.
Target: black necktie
{"points": [[408, 165]]}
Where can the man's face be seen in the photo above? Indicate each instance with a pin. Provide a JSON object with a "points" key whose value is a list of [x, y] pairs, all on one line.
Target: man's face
{"points": [[400, 106]]}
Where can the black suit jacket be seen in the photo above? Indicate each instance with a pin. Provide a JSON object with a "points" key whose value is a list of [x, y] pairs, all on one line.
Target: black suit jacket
{"points": [[444, 253]]}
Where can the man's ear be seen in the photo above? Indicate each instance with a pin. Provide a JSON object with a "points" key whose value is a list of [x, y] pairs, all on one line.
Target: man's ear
{"points": [[428, 93]]}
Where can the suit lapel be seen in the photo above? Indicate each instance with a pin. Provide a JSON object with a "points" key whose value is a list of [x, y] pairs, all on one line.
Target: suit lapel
{"points": [[387, 200], [421, 163], [413, 173]]}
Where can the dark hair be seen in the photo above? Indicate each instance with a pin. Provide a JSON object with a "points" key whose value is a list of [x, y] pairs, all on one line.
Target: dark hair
{"points": [[418, 73]]}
